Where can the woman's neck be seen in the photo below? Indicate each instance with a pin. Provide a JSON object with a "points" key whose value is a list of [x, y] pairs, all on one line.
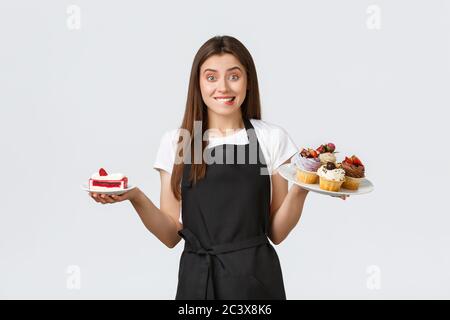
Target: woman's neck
{"points": [[225, 124]]}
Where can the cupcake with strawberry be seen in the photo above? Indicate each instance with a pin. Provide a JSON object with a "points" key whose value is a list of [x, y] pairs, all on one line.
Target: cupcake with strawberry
{"points": [[354, 172], [307, 164], [326, 153]]}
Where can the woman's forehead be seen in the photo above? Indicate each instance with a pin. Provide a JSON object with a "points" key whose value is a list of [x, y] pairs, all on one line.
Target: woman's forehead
{"points": [[221, 62]]}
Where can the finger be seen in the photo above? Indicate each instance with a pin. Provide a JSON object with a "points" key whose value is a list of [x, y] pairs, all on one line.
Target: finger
{"points": [[107, 198], [94, 196], [116, 197], [101, 198], [110, 199], [122, 196]]}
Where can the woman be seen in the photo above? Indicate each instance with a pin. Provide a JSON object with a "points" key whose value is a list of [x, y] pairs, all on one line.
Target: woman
{"points": [[228, 210]]}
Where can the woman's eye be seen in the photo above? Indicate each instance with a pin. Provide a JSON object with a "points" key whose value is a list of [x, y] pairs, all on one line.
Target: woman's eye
{"points": [[232, 77]]}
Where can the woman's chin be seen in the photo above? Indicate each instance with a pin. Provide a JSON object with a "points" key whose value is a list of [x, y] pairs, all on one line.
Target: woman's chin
{"points": [[224, 109]]}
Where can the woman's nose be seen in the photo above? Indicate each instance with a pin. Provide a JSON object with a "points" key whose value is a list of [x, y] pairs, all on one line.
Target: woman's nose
{"points": [[222, 85]]}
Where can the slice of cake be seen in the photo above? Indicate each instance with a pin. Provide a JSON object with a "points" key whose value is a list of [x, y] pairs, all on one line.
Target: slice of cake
{"points": [[102, 181]]}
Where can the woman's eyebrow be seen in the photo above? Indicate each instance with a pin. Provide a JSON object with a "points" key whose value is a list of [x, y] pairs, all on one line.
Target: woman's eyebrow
{"points": [[233, 68]]}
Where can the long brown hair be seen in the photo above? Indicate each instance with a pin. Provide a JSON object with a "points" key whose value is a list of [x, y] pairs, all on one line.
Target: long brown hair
{"points": [[196, 110]]}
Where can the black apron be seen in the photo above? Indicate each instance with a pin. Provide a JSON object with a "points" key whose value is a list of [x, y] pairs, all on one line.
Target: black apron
{"points": [[225, 222]]}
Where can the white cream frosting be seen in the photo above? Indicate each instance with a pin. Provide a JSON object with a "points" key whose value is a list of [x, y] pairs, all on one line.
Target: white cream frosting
{"points": [[327, 157], [337, 174], [112, 176]]}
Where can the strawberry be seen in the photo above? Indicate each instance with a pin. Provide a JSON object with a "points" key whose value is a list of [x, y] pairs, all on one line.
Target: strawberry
{"points": [[356, 161], [348, 160], [102, 172], [321, 149], [313, 153]]}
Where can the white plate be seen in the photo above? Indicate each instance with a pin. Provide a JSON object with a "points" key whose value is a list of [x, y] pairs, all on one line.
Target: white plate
{"points": [[288, 172], [85, 187]]}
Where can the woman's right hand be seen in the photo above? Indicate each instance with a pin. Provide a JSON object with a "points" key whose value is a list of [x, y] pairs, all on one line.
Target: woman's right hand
{"points": [[105, 198]]}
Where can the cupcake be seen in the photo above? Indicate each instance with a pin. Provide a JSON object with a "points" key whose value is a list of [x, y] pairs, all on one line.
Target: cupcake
{"points": [[331, 177], [307, 164], [326, 153], [354, 172]]}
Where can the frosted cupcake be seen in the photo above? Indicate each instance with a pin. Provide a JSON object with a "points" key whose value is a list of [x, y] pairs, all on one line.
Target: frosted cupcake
{"points": [[331, 177], [307, 164], [354, 172], [326, 153]]}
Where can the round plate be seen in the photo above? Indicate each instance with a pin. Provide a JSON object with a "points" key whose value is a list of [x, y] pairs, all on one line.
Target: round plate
{"points": [[288, 172], [116, 192]]}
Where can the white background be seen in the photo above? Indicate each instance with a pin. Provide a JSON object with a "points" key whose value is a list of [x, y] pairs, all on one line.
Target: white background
{"points": [[75, 100]]}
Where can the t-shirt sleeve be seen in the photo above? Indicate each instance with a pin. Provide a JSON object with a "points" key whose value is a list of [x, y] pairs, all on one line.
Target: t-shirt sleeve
{"points": [[165, 156], [282, 148]]}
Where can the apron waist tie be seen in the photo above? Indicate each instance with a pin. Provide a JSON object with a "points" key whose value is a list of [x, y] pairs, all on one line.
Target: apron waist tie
{"points": [[194, 246]]}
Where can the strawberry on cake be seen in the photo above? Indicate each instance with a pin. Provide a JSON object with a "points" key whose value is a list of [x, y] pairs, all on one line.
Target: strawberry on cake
{"points": [[102, 181]]}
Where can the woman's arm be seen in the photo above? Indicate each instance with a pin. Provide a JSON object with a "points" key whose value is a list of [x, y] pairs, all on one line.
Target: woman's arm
{"points": [[286, 208], [164, 222]]}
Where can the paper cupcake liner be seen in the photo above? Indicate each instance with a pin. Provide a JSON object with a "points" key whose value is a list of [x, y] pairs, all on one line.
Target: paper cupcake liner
{"points": [[351, 183], [307, 176], [330, 185]]}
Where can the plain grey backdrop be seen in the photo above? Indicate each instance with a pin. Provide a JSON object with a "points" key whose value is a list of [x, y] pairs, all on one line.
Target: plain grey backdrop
{"points": [[90, 84]]}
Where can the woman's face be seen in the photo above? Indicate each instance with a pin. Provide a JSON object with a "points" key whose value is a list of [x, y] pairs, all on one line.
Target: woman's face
{"points": [[223, 84]]}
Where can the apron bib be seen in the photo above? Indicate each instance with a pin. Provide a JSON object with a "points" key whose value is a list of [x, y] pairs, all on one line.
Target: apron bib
{"points": [[225, 221]]}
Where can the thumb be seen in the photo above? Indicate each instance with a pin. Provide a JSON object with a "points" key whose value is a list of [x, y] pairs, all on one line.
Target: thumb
{"points": [[119, 197]]}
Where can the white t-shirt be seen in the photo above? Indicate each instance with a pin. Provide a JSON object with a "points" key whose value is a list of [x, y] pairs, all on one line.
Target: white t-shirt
{"points": [[276, 146]]}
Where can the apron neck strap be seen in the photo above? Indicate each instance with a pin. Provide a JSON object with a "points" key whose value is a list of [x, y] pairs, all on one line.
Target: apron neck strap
{"points": [[248, 125]]}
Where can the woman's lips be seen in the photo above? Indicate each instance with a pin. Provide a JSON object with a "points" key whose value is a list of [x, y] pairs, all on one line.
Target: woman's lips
{"points": [[228, 100]]}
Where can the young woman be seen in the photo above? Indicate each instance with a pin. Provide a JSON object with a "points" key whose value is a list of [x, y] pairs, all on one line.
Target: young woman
{"points": [[225, 212]]}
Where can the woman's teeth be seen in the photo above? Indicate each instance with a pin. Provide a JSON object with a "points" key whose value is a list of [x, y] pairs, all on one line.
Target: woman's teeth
{"points": [[225, 100]]}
